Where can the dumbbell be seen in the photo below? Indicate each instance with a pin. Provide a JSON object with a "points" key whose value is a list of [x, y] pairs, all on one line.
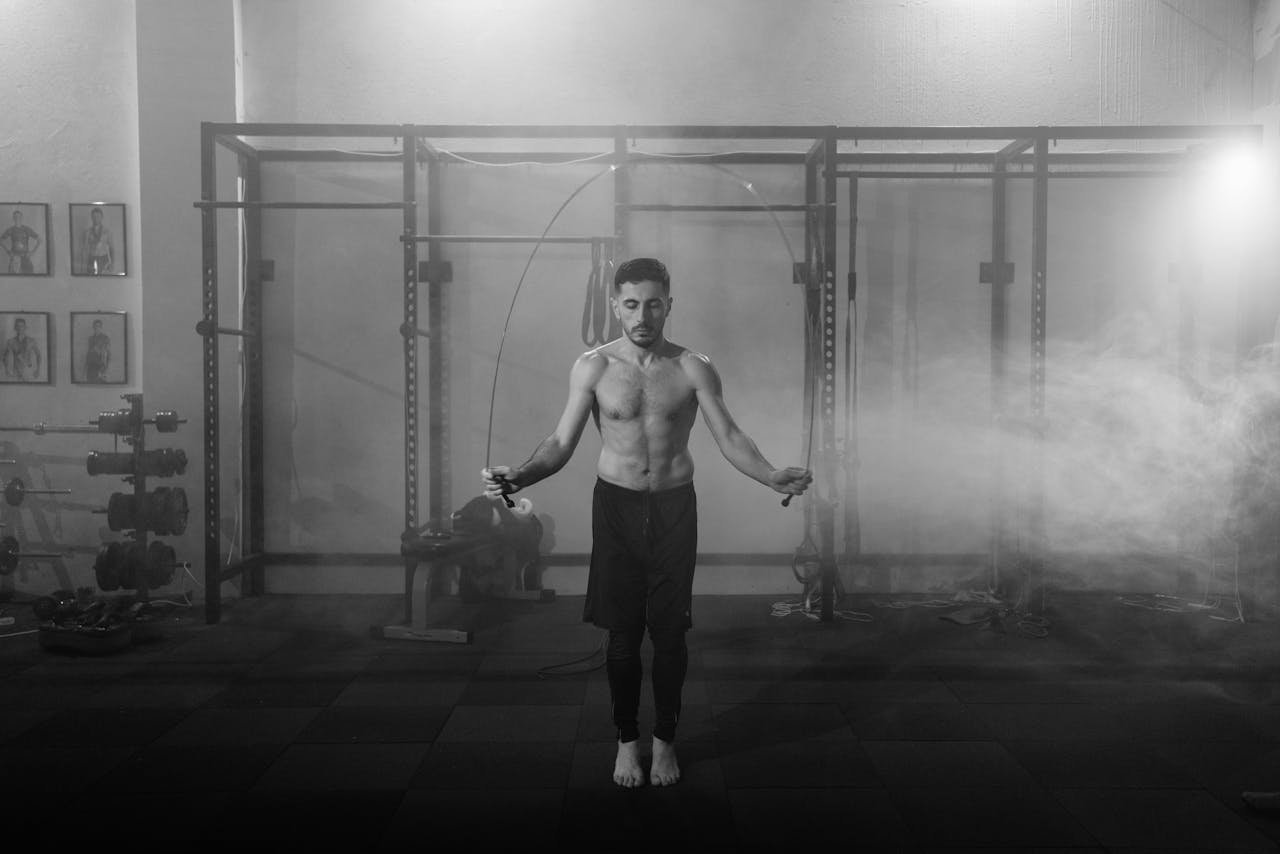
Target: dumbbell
{"points": [[123, 565], [162, 462], [58, 604], [162, 563], [11, 552], [15, 490], [164, 511]]}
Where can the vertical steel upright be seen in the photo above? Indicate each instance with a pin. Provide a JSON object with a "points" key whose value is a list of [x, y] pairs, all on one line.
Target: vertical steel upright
{"points": [[253, 460], [850, 499], [998, 275], [821, 186], [1039, 335], [621, 198], [409, 329], [209, 343], [826, 357], [811, 279], [437, 356]]}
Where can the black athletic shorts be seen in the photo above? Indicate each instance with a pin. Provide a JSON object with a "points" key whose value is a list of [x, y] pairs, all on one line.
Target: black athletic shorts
{"points": [[643, 550]]}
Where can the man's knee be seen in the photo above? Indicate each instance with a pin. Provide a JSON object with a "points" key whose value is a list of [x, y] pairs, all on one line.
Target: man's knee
{"points": [[623, 644], [668, 640]]}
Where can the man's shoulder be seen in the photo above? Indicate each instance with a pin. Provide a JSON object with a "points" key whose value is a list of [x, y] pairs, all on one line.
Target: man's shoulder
{"points": [[596, 355], [693, 360], [591, 364]]}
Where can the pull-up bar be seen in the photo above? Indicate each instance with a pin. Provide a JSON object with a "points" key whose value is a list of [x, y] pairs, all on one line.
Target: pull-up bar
{"points": [[505, 238], [307, 206], [732, 208], [947, 176]]}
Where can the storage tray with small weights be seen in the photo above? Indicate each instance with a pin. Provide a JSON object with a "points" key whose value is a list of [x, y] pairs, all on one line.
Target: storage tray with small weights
{"points": [[79, 623]]}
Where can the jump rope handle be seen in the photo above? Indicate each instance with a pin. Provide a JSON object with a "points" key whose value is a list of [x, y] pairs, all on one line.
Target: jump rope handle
{"points": [[506, 498]]}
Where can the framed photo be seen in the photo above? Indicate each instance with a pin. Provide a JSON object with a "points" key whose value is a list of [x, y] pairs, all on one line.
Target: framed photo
{"points": [[98, 240], [25, 358], [99, 347], [24, 239]]}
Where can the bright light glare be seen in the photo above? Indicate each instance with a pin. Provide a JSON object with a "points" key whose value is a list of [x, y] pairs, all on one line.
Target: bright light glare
{"points": [[1235, 191]]}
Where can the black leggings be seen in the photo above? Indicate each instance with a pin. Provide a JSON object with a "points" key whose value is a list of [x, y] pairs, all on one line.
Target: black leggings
{"points": [[670, 664]]}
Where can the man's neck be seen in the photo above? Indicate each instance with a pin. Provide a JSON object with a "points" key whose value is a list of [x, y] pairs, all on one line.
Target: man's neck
{"points": [[644, 356]]}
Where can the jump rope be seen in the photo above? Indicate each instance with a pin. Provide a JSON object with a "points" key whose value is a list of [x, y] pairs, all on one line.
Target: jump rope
{"points": [[764, 204]]}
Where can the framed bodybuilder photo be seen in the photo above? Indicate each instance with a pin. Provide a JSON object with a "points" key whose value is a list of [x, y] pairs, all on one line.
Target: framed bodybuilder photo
{"points": [[24, 239], [98, 240], [99, 347], [25, 358]]}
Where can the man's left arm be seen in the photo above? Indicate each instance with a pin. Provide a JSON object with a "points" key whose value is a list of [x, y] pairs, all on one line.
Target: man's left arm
{"points": [[738, 448]]}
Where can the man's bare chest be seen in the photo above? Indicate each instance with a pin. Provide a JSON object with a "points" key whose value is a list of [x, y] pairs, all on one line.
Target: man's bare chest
{"points": [[627, 393]]}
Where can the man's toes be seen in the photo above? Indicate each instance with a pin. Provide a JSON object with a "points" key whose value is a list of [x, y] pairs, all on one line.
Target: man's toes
{"points": [[628, 780]]}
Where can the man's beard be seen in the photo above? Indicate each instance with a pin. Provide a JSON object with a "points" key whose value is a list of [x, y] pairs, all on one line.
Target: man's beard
{"points": [[646, 342]]}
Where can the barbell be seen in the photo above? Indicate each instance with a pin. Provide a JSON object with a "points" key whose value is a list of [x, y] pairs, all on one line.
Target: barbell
{"points": [[119, 422], [124, 564], [163, 511], [122, 421], [15, 490], [11, 552]]}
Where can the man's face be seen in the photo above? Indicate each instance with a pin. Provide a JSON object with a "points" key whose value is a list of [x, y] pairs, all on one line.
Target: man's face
{"points": [[20, 328], [642, 309], [17, 217]]}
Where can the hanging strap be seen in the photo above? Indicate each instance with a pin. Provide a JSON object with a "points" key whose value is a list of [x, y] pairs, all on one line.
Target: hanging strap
{"points": [[593, 306]]}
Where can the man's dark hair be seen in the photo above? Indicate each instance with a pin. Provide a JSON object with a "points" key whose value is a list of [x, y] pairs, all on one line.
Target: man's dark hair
{"points": [[643, 270]]}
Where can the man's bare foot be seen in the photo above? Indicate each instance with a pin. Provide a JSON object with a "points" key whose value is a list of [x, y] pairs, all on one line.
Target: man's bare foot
{"points": [[665, 770], [626, 770]]}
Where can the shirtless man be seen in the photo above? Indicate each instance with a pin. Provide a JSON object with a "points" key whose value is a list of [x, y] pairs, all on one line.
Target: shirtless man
{"points": [[644, 393], [22, 356], [99, 247], [97, 355], [19, 241]]}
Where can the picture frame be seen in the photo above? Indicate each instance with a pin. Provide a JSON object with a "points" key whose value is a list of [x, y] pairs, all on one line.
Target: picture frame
{"points": [[24, 239], [26, 354], [98, 239], [99, 347]]}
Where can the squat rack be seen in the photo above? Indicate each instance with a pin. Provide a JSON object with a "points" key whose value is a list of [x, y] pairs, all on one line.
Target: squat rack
{"points": [[827, 154]]}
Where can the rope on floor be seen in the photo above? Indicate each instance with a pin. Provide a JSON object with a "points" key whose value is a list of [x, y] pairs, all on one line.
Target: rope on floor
{"points": [[552, 670], [806, 608]]}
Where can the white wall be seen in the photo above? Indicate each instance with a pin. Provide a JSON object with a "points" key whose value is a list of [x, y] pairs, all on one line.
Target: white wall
{"points": [[186, 75], [945, 62], [876, 63], [69, 133]]}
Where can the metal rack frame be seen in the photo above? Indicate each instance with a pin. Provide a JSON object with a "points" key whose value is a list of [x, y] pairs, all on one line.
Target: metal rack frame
{"points": [[822, 157]]}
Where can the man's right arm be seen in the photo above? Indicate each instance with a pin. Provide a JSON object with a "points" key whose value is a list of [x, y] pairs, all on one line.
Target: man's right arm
{"points": [[556, 449]]}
